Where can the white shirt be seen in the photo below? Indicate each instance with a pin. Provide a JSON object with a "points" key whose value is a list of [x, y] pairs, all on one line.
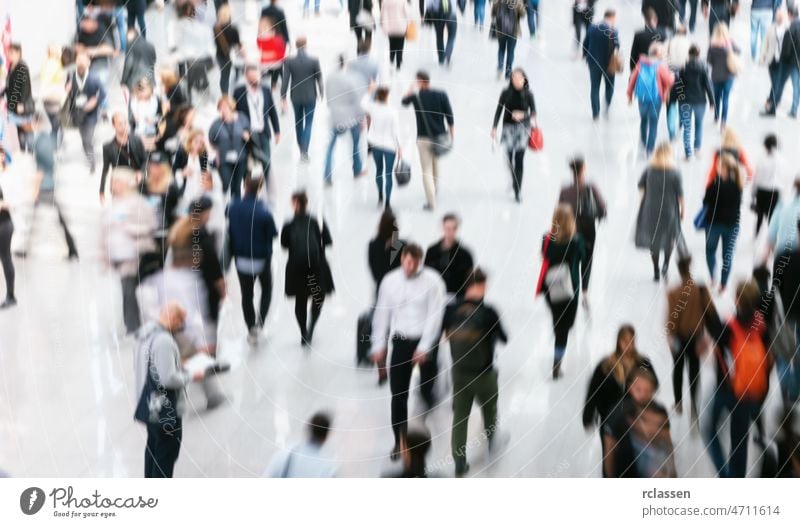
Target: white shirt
{"points": [[255, 103], [384, 127], [409, 307], [768, 174], [301, 461]]}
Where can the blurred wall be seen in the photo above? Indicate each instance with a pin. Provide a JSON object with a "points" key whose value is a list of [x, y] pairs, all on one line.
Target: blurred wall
{"points": [[37, 23]]}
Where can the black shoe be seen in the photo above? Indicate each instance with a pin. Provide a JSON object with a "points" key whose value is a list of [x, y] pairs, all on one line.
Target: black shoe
{"points": [[462, 468], [767, 113], [305, 340], [72, 256], [394, 455], [656, 274], [9, 302], [556, 369]]}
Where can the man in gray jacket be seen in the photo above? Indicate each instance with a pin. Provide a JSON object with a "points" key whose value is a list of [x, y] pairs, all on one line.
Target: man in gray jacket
{"points": [[160, 382], [302, 75], [344, 102]]}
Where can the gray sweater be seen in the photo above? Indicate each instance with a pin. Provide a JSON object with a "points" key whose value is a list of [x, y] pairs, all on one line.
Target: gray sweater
{"points": [[157, 343]]}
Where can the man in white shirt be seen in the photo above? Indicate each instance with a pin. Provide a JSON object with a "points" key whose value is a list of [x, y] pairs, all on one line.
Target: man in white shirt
{"points": [[305, 460], [410, 309]]}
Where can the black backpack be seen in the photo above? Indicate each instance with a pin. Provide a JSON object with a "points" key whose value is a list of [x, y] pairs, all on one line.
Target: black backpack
{"points": [[306, 244]]}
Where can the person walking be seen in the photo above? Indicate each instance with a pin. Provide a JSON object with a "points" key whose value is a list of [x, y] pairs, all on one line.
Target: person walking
{"points": [[303, 77], [582, 16], [473, 328], [719, 12], [251, 230], [696, 94], [441, 14], [19, 96], [650, 83], [228, 44], [384, 137], [395, 15], [409, 313], [600, 46], [140, 62], [347, 115], [52, 78], [362, 22], [6, 233], [730, 144], [743, 369], [518, 109], [306, 459], [661, 211], [762, 12], [229, 135], [689, 305], [435, 130], [790, 63], [128, 228], [722, 202], [644, 38], [771, 58], [161, 382], [561, 278], [506, 16], [585, 199], [719, 58], [768, 180], [254, 101], [85, 93], [608, 384], [308, 275], [44, 188]]}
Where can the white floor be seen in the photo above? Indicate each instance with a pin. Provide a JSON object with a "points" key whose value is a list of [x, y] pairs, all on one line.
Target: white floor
{"points": [[66, 394]]}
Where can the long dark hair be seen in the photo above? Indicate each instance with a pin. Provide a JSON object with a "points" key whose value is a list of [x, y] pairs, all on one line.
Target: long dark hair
{"points": [[387, 225], [525, 87]]}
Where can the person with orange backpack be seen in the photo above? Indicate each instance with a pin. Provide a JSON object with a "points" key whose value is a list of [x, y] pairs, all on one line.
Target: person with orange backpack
{"points": [[743, 369]]}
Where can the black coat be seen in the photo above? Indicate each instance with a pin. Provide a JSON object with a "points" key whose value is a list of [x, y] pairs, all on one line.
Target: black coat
{"points": [[18, 89], [605, 394], [300, 277], [642, 40], [454, 265], [696, 84], [133, 156], [383, 258]]}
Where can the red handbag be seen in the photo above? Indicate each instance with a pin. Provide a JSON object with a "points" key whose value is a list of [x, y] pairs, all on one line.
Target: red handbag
{"points": [[536, 139]]}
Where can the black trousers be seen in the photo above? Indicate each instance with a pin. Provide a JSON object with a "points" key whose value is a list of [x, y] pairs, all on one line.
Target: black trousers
{"points": [[766, 201], [400, 369], [232, 176], [686, 354], [47, 197], [588, 242], [564, 314], [396, 45], [6, 232], [130, 305], [516, 159], [247, 284], [362, 35], [301, 311], [161, 453]]}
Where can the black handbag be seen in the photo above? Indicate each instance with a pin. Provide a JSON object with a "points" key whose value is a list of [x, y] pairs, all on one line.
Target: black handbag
{"points": [[402, 172]]}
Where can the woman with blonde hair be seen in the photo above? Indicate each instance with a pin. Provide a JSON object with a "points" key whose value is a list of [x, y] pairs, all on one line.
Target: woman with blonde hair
{"points": [[730, 145], [52, 79], [723, 59], [722, 202], [563, 269], [658, 224]]}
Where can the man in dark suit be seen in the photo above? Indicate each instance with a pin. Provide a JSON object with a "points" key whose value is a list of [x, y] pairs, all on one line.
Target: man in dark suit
{"points": [[124, 150], [254, 100], [85, 93], [642, 40], [602, 40], [303, 76]]}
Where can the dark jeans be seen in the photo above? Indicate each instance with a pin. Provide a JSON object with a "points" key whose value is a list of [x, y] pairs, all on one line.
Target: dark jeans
{"points": [[766, 201], [362, 35], [263, 150], [303, 119], [384, 170], [400, 369], [774, 70], [692, 15], [505, 51], [86, 130], [162, 450], [742, 414], [247, 284], [224, 75], [516, 159], [532, 7], [788, 72], [130, 305], [396, 45], [722, 92], [648, 125], [301, 311], [686, 354], [6, 232], [727, 234], [445, 51], [136, 9], [687, 111], [47, 197], [232, 176], [589, 245], [563, 319], [596, 77]]}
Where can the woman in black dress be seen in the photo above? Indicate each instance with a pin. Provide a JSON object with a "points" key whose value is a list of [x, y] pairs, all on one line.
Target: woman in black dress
{"points": [[308, 276]]}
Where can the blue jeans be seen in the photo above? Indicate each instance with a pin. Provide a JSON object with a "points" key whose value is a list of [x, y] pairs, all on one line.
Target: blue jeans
{"points": [[122, 27], [136, 10], [727, 234], [760, 20], [687, 111], [532, 6], [480, 12], [355, 133], [648, 126], [505, 51], [789, 371], [692, 14], [742, 415], [789, 71], [384, 168], [673, 119], [445, 51], [722, 91], [596, 77], [316, 5], [303, 119]]}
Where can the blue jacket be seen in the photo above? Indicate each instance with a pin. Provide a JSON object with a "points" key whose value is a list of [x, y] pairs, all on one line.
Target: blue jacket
{"points": [[600, 41], [251, 228]]}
